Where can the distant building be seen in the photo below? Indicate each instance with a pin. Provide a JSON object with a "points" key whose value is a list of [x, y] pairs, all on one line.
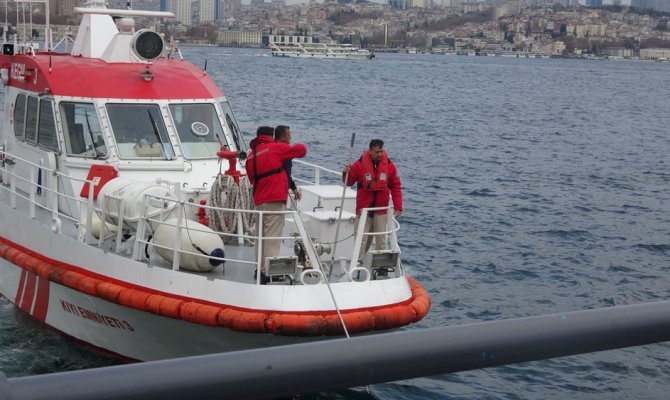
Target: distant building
{"points": [[229, 7], [617, 52], [594, 3], [181, 10], [208, 10], [655, 54], [240, 38]]}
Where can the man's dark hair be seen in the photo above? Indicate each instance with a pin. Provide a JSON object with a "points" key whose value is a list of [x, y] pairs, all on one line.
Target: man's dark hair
{"points": [[265, 130], [376, 143], [280, 131]]}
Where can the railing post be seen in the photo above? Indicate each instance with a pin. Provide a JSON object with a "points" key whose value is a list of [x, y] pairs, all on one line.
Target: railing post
{"points": [[358, 238], [89, 215], [141, 230], [317, 176], [119, 228], [55, 197], [33, 186], [103, 218], [177, 237], [12, 185], [259, 240], [240, 228]]}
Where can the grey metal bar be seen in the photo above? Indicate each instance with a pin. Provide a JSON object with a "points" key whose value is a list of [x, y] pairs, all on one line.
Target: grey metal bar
{"points": [[284, 371]]}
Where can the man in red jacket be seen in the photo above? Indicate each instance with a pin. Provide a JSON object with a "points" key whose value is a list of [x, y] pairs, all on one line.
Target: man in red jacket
{"points": [[376, 179], [265, 169]]}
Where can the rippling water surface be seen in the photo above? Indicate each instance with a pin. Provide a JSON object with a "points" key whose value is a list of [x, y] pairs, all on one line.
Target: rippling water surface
{"points": [[530, 187]]}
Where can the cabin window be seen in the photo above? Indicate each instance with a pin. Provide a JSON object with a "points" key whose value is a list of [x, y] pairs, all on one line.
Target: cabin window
{"points": [[232, 126], [81, 128], [31, 120], [20, 116], [46, 133], [139, 131], [199, 129]]}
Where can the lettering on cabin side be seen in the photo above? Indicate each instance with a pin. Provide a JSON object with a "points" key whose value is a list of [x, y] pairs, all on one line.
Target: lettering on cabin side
{"points": [[18, 71], [95, 316]]}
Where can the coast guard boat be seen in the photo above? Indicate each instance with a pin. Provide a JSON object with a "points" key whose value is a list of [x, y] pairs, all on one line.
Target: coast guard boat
{"points": [[125, 222]]}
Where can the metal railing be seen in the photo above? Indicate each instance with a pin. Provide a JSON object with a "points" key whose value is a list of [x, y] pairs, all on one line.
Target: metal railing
{"points": [[117, 235]]}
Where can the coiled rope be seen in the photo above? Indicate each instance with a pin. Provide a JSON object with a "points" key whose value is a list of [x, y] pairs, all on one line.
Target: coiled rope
{"points": [[227, 194]]}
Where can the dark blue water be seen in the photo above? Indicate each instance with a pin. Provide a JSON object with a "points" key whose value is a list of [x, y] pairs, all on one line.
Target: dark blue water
{"points": [[530, 186]]}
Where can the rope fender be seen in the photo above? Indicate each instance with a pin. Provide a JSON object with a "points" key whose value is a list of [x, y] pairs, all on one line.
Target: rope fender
{"points": [[242, 320]]}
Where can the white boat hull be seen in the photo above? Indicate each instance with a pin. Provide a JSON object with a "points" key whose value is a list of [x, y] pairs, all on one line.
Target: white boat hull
{"points": [[140, 334], [121, 330]]}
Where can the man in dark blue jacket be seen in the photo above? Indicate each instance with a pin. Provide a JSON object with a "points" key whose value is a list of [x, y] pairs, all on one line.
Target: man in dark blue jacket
{"points": [[283, 134]]}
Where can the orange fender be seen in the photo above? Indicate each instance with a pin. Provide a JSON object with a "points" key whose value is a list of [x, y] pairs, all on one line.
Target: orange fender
{"points": [[70, 279], [393, 317], [21, 260], [243, 321], [109, 291], [11, 254], [199, 313], [133, 298], [88, 285], [43, 269], [421, 301], [32, 263], [421, 307], [164, 306], [56, 275], [296, 325], [356, 322]]}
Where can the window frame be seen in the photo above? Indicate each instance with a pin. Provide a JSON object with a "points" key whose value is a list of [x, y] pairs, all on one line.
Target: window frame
{"points": [[40, 126], [167, 154], [21, 137]]}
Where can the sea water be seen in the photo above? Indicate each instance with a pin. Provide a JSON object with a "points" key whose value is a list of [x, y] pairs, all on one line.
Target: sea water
{"points": [[531, 186]]}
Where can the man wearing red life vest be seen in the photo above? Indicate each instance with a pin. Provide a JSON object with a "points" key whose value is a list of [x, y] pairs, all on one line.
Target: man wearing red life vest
{"points": [[265, 169], [376, 179]]}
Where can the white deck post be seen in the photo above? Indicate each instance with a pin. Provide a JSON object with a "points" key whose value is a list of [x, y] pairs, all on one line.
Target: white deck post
{"points": [[33, 186], [177, 239]]}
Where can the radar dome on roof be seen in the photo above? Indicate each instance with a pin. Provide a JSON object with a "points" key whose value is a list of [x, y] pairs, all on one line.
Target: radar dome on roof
{"points": [[125, 25]]}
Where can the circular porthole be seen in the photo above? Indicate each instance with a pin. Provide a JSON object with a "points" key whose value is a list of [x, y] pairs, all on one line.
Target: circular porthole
{"points": [[148, 44]]}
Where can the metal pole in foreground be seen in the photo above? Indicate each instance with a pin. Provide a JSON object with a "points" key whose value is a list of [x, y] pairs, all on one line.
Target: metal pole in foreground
{"points": [[339, 217], [287, 370]]}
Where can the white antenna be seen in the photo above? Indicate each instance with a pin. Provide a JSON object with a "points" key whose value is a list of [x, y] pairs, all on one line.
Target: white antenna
{"points": [[5, 34]]}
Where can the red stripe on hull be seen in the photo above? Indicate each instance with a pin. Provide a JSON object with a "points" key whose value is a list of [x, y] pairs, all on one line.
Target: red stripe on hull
{"points": [[22, 285], [29, 294], [42, 300]]}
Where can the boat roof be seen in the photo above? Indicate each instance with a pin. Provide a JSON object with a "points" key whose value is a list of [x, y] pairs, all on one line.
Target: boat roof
{"points": [[68, 75], [102, 64]]}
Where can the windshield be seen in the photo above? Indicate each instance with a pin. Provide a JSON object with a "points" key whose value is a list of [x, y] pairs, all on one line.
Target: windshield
{"points": [[81, 127], [234, 128], [199, 129], [139, 131]]}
